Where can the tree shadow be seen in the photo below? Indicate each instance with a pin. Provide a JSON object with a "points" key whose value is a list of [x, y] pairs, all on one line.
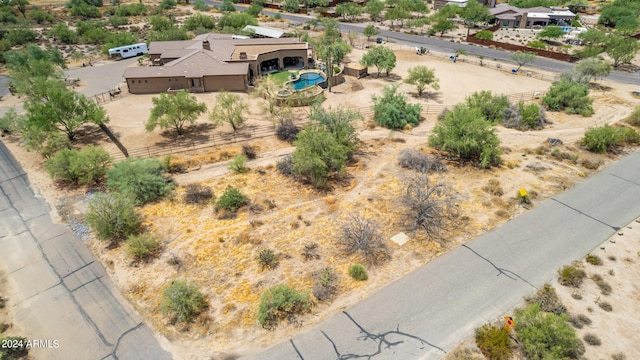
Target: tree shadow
{"points": [[429, 95], [90, 134], [193, 133], [381, 339]]}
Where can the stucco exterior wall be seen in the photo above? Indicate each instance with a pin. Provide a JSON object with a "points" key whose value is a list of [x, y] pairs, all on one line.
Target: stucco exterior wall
{"points": [[156, 85], [225, 82]]}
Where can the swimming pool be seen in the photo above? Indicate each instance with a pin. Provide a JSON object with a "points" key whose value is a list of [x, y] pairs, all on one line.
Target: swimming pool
{"points": [[306, 80]]}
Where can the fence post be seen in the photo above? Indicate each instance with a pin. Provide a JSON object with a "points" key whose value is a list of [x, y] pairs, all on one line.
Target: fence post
{"points": [[148, 153]]}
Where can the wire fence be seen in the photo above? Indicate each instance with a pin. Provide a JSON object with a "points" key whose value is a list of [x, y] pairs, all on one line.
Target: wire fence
{"points": [[119, 92], [202, 142]]}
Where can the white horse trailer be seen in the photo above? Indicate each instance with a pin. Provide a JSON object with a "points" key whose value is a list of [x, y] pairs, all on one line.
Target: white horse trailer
{"points": [[127, 51]]}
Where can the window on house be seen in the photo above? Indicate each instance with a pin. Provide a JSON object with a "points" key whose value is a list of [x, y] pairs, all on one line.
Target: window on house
{"points": [[505, 23]]}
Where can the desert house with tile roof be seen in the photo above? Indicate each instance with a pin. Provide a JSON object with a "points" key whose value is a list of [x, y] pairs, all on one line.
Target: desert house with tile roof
{"points": [[512, 17], [214, 62]]}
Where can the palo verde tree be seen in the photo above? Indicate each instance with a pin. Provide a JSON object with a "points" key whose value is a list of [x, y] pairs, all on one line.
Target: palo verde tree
{"points": [[523, 58], [592, 69], [32, 66], [393, 111], [551, 32], [570, 96], [465, 132], [370, 31], [473, 13], [229, 108], [622, 49], [324, 146], [330, 47], [422, 76], [381, 57], [174, 111], [60, 109], [374, 8]]}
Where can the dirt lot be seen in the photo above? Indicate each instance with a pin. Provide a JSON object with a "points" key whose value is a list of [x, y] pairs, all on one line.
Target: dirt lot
{"points": [[219, 254]]}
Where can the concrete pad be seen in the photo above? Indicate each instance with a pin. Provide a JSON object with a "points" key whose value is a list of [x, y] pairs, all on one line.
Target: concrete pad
{"points": [[53, 315], [66, 253], [10, 222], [400, 238], [43, 229], [109, 316], [19, 251], [33, 279]]}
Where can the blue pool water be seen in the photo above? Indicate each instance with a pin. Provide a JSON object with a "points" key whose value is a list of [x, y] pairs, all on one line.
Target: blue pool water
{"points": [[306, 80]]}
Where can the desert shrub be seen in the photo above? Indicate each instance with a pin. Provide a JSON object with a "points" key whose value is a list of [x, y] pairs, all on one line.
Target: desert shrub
{"points": [[537, 44], [532, 116], [465, 132], [113, 216], [287, 131], [285, 166], [494, 342], [362, 236], [310, 251], [571, 275], [491, 106], [493, 188], [605, 287], [231, 200], [167, 4], [605, 306], [133, 9], [358, 272], [548, 300], [325, 287], [197, 194], [592, 339], [591, 164], [485, 35], [393, 111], [238, 164], [618, 356], [182, 300], [200, 5], [279, 302], [579, 321], [634, 118], [545, 335], [593, 259], [143, 246], [569, 96], [607, 138], [249, 151], [267, 259], [142, 179], [13, 352], [85, 166], [417, 160]]}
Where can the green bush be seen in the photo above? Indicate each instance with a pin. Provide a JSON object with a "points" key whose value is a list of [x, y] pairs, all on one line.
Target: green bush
{"points": [[237, 164], [167, 4], [268, 259], [485, 35], [143, 246], [494, 342], [545, 335], [465, 132], [11, 352], [393, 111], [201, 6], [85, 11], [85, 166], [607, 138], [569, 96], [133, 9], [491, 106], [571, 275], [593, 259], [279, 302], [140, 178], [231, 200], [182, 300], [358, 272], [537, 44], [113, 216], [634, 118]]}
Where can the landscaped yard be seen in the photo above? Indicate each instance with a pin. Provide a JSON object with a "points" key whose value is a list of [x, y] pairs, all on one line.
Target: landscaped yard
{"points": [[280, 77]]}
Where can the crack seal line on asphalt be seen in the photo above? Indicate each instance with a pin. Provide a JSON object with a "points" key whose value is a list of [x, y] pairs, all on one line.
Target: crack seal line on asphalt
{"points": [[115, 348], [501, 271], [624, 179], [616, 228]]}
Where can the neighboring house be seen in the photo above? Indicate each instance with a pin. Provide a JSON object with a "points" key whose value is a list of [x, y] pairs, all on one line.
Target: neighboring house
{"points": [[512, 17], [214, 62]]}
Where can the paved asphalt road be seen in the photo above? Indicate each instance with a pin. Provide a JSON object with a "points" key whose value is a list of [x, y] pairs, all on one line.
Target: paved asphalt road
{"points": [[62, 293], [430, 311]]}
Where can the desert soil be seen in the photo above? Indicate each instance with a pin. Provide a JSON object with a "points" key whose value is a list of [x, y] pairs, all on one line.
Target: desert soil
{"points": [[219, 254]]}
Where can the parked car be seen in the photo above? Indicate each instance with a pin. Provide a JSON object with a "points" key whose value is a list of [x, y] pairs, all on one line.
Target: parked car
{"points": [[379, 40]]}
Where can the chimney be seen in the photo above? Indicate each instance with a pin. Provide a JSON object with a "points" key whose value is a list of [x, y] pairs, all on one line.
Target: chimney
{"points": [[243, 55], [206, 45], [523, 20]]}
